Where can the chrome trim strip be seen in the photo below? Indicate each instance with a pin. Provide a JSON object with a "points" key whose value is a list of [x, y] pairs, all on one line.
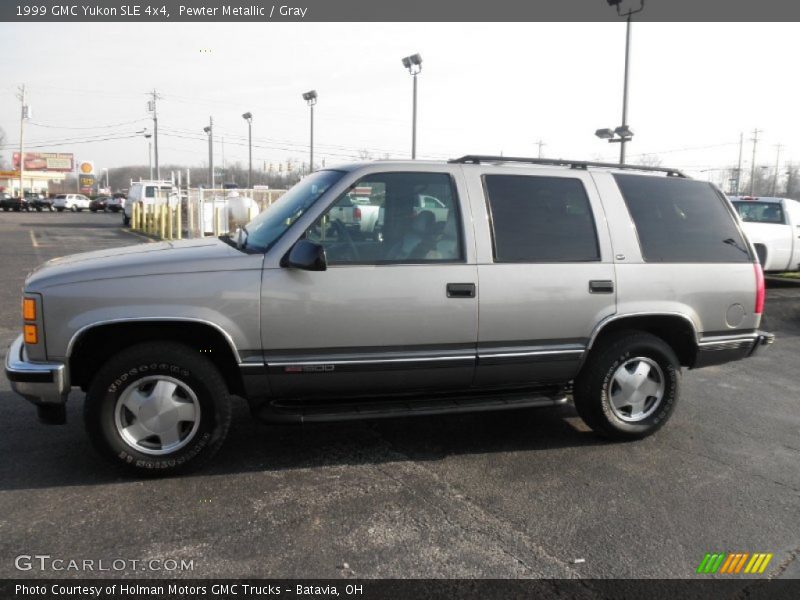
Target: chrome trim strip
{"points": [[728, 340], [311, 363], [532, 353], [224, 333]]}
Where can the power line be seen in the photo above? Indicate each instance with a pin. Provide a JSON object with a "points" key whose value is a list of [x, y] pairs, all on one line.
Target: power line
{"points": [[51, 126]]}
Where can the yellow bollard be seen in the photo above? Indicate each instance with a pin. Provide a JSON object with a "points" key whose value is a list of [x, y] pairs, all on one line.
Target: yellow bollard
{"points": [[162, 222], [169, 222], [133, 217], [178, 228]]}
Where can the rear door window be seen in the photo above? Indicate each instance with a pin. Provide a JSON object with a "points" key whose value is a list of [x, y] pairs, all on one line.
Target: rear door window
{"points": [[540, 219], [682, 221]]}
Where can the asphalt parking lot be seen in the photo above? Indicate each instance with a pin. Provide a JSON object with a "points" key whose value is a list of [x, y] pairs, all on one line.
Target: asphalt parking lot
{"points": [[517, 494]]}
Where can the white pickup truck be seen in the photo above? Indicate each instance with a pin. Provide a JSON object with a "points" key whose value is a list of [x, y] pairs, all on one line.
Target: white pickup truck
{"points": [[773, 226]]}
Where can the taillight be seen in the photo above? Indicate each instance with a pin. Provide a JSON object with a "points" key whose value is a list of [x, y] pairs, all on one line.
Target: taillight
{"points": [[760, 291], [357, 213]]}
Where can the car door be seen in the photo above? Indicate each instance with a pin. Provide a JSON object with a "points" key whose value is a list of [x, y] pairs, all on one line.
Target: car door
{"points": [[395, 312], [545, 272]]}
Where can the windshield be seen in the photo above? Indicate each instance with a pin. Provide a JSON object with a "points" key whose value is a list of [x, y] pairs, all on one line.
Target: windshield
{"points": [[263, 231], [760, 212]]}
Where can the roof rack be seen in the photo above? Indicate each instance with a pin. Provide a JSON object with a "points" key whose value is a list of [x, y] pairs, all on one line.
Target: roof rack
{"points": [[582, 165]]}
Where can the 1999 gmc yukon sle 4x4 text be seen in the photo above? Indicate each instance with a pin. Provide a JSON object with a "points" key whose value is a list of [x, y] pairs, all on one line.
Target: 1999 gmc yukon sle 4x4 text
{"points": [[544, 278]]}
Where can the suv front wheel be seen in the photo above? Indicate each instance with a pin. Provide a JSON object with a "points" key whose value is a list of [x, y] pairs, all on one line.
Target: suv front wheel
{"points": [[629, 386], [158, 408]]}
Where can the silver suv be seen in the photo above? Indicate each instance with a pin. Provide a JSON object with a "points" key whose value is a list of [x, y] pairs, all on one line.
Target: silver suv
{"points": [[529, 282]]}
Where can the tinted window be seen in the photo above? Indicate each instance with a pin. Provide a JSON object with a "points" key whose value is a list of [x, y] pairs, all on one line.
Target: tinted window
{"points": [[540, 219], [760, 212], [679, 220], [385, 219]]}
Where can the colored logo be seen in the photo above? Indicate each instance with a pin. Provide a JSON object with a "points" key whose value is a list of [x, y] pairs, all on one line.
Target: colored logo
{"points": [[734, 563], [87, 167]]}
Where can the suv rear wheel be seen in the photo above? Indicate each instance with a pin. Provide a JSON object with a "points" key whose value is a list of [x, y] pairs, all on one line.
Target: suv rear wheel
{"points": [[158, 408], [629, 386]]}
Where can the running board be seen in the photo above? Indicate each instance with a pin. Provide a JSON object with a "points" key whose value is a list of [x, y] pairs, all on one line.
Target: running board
{"points": [[391, 408]]}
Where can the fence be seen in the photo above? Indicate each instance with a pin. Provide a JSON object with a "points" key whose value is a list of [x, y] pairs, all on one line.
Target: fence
{"points": [[201, 212]]}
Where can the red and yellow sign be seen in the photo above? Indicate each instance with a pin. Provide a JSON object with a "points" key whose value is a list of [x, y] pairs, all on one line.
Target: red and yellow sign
{"points": [[46, 161]]}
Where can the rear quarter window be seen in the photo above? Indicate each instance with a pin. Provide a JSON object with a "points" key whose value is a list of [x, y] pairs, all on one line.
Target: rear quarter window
{"points": [[682, 221]]}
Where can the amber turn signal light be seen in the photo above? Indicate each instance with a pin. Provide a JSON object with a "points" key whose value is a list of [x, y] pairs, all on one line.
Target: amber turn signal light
{"points": [[31, 334], [29, 309]]}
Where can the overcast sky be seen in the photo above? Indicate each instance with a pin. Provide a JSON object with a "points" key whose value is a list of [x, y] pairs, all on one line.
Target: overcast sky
{"points": [[484, 88]]}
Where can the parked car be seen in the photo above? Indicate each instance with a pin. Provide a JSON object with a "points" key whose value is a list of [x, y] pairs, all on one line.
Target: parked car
{"points": [[99, 203], [773, 226], [41, 202], [15, 203], [116, 203], [73, 202], [547, 279]]}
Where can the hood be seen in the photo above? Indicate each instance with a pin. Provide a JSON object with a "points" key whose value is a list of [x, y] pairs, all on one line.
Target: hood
{"points": [[184, 256]]}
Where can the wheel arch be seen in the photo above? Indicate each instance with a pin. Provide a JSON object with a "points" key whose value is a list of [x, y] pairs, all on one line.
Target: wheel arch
{"points": [[676, 329], [94, 344]]}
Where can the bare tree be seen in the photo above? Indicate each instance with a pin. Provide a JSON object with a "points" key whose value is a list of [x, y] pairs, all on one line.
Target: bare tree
{"points": [[649, 160]]}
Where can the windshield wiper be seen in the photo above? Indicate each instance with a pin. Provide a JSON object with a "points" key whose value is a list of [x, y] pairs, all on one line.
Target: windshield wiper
{"points": [[735, 244]]}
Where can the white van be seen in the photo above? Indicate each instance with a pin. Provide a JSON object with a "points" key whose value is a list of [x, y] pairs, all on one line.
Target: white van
{"points": [[150, 193]]}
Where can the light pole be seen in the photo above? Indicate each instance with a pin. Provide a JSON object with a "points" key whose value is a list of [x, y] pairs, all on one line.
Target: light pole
{"points": [[626, 134], [209, 129], [107, 184], [311, 98], [248, 116], [414, 65], [147, 135]]}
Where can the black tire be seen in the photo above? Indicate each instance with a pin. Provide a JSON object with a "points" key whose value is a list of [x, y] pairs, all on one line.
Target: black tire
{"points": [[594, 385], [137, 363], [93, 210], [60, 209], [5, 209], [74, 208]]}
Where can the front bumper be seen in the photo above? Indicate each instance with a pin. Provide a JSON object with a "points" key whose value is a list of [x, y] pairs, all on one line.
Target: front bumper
{"points": [[43, 383]]}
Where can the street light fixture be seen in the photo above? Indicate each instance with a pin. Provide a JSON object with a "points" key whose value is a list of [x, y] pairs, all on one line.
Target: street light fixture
{"points": [[623, 131], [248, 116], [209, 129], [604, 134], [414, 65], [311, 98]]}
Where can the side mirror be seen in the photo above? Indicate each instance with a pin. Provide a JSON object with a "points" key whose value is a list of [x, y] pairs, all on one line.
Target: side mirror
{"points": [[307, 256]]}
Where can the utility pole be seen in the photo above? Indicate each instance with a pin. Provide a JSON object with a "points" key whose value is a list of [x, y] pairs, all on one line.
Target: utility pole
{"points": [[774, 189], [22, 116], [540, 143], [151, 105], [210, 131], [754, 139], [739, 167]]}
